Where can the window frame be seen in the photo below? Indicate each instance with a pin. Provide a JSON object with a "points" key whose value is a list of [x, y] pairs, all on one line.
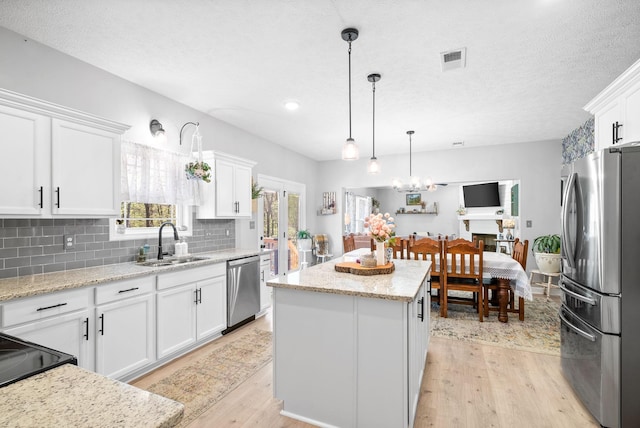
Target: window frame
{"points": [[184, 216]]}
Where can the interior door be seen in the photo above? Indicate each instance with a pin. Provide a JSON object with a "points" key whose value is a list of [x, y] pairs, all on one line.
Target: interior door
{"points": [[282, 208]]}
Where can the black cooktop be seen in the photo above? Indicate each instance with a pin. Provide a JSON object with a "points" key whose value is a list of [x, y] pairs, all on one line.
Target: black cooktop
{"points": [[20, 359]]}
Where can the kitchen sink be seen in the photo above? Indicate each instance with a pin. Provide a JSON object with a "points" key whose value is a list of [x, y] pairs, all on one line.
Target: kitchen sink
{"points": [[171, 261]]}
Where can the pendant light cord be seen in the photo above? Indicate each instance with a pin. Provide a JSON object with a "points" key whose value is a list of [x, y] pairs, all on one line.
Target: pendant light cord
{"points": [[374, 119], [350, 87], [410, 174]]}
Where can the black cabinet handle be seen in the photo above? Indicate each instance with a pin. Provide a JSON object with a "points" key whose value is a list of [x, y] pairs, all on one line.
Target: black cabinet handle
{"points": [[200, 295], [58, 197], [41, 196], [613, 133], [86, 328], [617, 132], [421, 314], [50, 307], [128, 289], [101, 325]]}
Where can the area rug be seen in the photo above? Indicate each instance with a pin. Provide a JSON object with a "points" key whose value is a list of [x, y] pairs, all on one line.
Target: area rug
{"points": [[209, 378], [539, 332]]}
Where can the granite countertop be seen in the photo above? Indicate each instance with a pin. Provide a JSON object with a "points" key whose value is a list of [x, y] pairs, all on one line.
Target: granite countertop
{"points": [[32, 285], [69, 396], [403, 284]]}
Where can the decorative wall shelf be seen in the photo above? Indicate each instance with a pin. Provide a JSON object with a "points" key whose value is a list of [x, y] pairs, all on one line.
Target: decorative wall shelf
{"points": [[412, 213]]}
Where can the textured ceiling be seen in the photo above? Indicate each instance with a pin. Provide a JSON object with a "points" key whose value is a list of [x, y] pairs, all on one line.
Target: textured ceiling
{"points": [[531, 64]]}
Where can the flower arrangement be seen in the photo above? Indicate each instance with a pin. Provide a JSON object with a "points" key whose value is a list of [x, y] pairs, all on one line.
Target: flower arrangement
{"points": [[198, 171], [380, 226]]}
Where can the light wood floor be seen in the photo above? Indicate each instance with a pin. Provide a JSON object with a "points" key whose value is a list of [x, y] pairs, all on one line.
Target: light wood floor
{"points": [[465, 385]]}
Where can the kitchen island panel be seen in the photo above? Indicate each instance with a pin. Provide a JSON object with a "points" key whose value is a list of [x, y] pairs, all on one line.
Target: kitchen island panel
{"points": [[314, 356]]}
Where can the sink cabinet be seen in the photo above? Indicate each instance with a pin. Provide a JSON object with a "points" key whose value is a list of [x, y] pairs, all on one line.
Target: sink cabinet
{"points": [[191, 306], [57, 162], [232, 195]]}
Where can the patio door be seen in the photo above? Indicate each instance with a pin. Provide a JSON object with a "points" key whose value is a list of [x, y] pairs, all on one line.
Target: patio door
{"points": [[281, 207]]}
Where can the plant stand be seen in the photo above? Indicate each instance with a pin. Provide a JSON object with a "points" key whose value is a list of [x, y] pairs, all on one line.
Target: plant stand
{"points": [[548, 276]]}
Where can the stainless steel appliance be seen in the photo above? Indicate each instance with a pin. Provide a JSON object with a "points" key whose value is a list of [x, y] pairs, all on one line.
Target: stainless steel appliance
{"points": [[243, 291], [20, 359], [600, 282]]}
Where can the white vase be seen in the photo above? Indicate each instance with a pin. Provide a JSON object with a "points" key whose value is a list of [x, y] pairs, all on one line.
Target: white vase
{"points": [[381, 257]]}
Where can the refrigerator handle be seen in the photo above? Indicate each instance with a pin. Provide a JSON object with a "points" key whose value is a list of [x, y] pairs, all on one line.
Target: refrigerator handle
{"points": [[570, 188], [584, 299], [581, 332]]}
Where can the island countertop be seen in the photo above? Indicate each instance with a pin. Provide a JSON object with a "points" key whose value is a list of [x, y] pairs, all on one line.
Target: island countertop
{"points": [[69, 396], [403, 284]]}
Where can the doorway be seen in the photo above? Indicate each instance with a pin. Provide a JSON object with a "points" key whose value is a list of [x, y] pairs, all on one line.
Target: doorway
{"points": [[280, 217]]}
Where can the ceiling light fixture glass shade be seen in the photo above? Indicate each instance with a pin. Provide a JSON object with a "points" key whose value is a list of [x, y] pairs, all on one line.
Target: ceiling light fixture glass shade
{"points": [[350, 149], [374, 166]]}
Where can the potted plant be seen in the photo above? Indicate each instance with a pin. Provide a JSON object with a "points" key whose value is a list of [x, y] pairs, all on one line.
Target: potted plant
{"points": [[256, 192], [546, 249], [304, 240]]}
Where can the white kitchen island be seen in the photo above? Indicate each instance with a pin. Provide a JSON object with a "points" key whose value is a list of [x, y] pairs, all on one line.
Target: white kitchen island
{"points": [[350, 350]]}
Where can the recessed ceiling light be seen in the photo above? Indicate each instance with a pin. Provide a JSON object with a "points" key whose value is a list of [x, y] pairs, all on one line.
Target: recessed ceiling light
{"points": [[291, 105]]}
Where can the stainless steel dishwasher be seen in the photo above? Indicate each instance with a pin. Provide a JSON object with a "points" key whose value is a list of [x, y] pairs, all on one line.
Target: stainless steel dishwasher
{"points": [[243, 291]]}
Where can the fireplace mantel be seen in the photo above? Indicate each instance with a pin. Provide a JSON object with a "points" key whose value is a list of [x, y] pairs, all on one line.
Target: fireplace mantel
{"points": [[466, 219]]}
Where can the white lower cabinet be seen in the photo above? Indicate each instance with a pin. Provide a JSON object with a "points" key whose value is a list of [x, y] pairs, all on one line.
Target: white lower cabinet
{"points": [[61, 321], [191, 306], [265, 275], [125, 327]]}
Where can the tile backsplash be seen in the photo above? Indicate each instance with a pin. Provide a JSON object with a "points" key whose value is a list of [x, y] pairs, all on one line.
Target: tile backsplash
{"points": [[34, 246]]}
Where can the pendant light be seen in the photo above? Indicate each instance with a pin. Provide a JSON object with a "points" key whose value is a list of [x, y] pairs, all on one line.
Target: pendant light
{"points": [[374, 166], [350, 149], [414, 182]]}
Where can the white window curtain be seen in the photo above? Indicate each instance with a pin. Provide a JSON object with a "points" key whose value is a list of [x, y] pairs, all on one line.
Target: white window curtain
{"points": [[156, 176]]}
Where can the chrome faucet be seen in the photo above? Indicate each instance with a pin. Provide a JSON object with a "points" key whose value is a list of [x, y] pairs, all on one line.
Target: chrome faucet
{"points": [[175, 236]]}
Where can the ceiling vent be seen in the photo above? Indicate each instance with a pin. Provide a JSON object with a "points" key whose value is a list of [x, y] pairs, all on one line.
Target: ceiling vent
{"points": [[456, 58], [458, 143]]}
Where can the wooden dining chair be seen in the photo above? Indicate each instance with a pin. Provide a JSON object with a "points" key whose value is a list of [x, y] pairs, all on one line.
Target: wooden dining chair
{"points": [[519, 254], [399, 248], [463, 272], [348, 243], [430, 249]]}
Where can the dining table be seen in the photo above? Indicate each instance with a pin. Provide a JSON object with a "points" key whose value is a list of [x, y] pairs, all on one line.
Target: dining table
{"points": [[507, 272]]}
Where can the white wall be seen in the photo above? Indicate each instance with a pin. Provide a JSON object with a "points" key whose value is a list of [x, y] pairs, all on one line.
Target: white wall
{"points": [[535, 164], [30, 68]]}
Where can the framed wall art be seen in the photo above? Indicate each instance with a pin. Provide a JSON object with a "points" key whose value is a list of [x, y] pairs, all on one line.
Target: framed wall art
{"points": [[414, 198]]}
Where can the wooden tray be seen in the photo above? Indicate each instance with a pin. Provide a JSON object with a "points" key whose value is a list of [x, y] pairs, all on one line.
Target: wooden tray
{"points": [[356, 269]]}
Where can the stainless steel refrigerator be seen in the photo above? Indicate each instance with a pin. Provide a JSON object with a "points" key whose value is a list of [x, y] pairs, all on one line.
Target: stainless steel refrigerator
{"points": [[600, 283]]}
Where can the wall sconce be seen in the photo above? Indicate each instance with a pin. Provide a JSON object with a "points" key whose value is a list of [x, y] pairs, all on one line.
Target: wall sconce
{"points": [[197, 124], [157, 131]]}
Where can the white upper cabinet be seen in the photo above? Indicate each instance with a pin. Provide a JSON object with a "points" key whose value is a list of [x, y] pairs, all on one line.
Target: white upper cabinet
{"points": [[24, 165], [617, 110], [57, 161], [232, 195]]}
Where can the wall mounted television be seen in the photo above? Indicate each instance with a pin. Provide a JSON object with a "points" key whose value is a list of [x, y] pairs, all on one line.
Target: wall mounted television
{"points": [[481, 195]]}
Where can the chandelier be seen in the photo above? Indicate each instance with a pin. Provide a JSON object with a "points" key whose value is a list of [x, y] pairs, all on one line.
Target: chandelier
{"points": [[414, 183]]}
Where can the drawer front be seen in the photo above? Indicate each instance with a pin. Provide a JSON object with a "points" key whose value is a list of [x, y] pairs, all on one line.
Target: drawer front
{"points": [[41, 307], [189, 276], [124, 289]]}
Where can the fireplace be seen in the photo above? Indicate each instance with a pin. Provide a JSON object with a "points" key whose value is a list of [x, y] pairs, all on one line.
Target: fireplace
{"points": [[488, 238]]}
